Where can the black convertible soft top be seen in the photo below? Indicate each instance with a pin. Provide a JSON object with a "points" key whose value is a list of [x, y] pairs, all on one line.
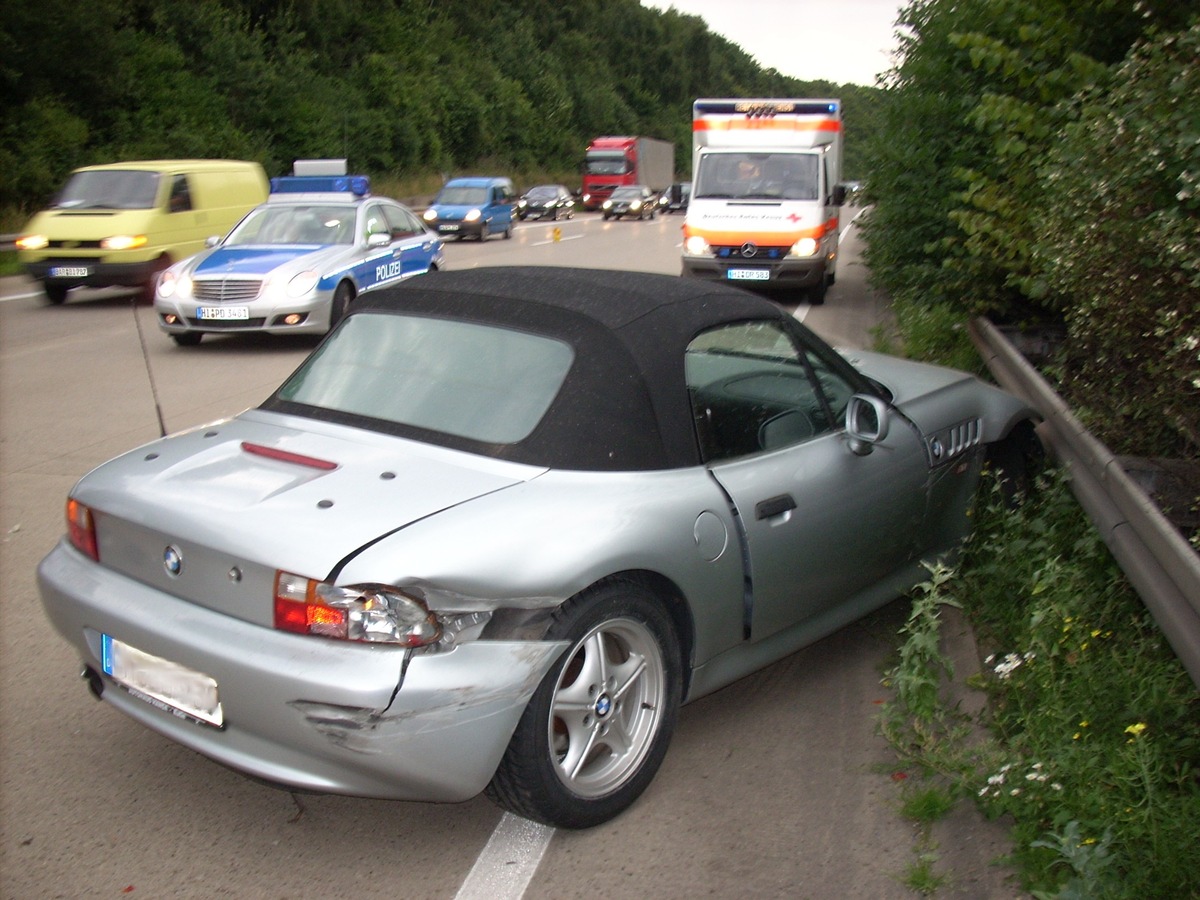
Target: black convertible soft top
{"points": [[624, 404]]}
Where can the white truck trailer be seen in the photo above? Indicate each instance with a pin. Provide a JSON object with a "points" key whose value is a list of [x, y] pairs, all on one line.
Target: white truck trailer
{"points": [[766, 193]]}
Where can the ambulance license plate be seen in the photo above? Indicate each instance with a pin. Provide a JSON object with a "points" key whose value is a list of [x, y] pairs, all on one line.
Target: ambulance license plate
{"points": [[748, 274]]}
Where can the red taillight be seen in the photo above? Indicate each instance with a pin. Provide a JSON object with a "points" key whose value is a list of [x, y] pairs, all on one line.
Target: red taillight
{"points": [[81, 529], [372, 613]]}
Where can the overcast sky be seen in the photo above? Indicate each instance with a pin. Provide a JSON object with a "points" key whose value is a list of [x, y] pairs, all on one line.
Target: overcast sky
{"points": [[843, 41]]}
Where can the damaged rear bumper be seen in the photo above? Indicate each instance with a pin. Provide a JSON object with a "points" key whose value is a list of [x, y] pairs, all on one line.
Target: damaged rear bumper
{"points": [[309, 713]]}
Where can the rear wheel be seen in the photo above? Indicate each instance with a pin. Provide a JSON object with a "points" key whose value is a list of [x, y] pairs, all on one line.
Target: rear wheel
{"points": [[598, 726]]}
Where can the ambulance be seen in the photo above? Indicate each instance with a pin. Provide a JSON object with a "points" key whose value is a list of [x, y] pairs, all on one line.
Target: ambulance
{"points": [[766, 193]]}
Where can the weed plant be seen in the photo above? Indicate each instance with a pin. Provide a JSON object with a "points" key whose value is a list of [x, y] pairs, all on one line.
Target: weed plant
{"points": [[1091, 746]]}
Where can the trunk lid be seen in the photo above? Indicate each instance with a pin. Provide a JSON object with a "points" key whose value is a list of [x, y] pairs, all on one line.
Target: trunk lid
{"points": [[237, 500]]}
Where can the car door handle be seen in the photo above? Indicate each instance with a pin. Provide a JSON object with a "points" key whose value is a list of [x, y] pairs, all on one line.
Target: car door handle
{"points": [[775, 506]]}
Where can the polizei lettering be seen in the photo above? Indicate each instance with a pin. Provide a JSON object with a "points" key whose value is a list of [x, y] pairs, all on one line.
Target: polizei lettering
{"points": [[388, 270]]}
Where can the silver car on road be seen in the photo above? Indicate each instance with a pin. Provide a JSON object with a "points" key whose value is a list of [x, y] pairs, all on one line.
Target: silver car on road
{"points": [[502, 523]]}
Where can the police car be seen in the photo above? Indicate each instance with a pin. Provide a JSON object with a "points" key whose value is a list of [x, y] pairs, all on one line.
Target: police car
{"points": [[294, 263]]}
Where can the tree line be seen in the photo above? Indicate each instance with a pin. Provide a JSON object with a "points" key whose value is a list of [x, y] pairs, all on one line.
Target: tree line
{"points": [[396, 87], [1038, 161]]}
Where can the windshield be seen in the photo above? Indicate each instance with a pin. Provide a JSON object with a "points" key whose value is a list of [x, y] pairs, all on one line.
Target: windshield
{"points": [[295, 224], [109, 189], [479, 382], [611, 163], [542, 193], [462, 196], [757, 176]]}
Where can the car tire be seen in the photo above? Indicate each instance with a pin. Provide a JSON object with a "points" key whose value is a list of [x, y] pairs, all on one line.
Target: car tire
{"points": [[149, 287], [187, 338], [816, 293], [56, 293], [1017, 461], [508, 231], [614, 694], [343, 296], [483, 232]]}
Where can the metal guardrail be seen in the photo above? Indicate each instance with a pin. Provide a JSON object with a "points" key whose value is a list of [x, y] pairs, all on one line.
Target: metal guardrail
{"points": [[1162, 567]]}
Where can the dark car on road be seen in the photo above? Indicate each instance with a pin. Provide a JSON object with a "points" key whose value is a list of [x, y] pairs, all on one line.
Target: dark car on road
{"points": [[546, 201], [677, 196], [635, 201]]}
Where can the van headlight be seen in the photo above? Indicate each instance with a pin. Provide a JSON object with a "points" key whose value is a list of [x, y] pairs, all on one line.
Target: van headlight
{"points": [[123, 242], [33, 242], [804, 247], [472, 216], [430, 215], [696, 246]]}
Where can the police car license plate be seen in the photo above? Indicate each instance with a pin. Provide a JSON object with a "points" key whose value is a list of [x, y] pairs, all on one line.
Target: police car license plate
{"points": [[167, 685], [223, 313], [70, 271], [748, 274]]}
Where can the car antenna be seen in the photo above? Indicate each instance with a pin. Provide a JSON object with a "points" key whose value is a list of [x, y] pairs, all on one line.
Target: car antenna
{"points": [[133, 304]]}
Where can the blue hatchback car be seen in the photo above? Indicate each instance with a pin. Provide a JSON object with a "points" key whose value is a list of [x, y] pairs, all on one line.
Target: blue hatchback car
{"points": [[473, 207], [294, 263]]}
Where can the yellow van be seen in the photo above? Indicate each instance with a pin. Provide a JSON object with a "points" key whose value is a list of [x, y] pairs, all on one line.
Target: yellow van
{"points": [[122, 224]]}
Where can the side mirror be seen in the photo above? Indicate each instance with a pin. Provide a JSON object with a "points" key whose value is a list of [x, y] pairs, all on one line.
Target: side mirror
{"points": [[379, 239], [213, 240], [839, 194], [866, 423]]}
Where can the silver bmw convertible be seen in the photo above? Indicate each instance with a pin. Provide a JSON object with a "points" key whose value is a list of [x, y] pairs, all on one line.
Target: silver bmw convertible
{"points": [[502, 523]]}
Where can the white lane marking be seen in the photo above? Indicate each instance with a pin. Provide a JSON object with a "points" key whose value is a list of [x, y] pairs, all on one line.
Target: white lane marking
{"points": [[508, 862], [21, 296]]}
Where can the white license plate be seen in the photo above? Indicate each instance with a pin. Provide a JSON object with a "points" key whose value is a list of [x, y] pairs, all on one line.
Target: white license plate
{"points": [[447, 228], [223, 313], [748, 274], [167, 685], [70, 271]]}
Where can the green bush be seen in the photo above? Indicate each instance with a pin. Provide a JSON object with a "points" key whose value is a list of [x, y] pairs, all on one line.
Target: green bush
{"points": [[1120, 244], [1094, 754]]}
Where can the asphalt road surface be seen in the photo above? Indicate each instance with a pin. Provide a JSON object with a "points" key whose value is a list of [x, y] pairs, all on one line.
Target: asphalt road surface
{"points": [[777, 786]]}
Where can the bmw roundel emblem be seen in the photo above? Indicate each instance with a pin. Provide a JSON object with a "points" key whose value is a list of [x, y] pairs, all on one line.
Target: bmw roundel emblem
{"points": [[173, 561], [603, 705]]}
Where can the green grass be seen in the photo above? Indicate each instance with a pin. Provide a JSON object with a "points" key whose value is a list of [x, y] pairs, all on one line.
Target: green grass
{"points": [[1093, 747]]}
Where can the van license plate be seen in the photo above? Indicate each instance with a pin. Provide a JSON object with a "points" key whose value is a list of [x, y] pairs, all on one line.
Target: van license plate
{"points": [[167, 685], [70, 271], [748, 274], [223, 313], [447, 228]]}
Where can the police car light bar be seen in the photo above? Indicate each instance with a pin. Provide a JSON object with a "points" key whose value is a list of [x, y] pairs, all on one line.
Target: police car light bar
{"points": [[358, 185]]}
